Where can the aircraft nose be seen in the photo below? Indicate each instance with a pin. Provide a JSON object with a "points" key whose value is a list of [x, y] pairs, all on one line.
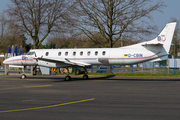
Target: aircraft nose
{"points": [[5, 61], [10, 60]]}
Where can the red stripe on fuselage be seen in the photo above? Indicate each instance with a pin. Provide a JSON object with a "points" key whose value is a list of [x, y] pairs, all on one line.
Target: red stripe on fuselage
{"points": [[22, 60]]}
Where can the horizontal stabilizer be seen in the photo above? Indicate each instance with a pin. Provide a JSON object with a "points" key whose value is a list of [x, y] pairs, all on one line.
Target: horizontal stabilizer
{"points": [[160, 59], [152, 44]]}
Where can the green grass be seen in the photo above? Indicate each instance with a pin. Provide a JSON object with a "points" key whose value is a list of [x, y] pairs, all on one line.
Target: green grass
{"points": [[135, 75]]}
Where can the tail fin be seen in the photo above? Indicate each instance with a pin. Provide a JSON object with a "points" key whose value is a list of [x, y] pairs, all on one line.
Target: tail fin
{"points": [[166, 36], [164, 40]]}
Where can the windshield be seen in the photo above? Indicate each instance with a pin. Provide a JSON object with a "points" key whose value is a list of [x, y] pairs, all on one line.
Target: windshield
{"points": [[30, 53]]}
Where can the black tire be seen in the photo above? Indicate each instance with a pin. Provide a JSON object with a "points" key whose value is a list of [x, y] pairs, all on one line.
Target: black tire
{"points": [[85, 77], [23, 76], [67, 78]]}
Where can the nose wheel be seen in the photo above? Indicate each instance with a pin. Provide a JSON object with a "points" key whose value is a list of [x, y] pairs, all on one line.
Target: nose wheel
{"points": [[23, 76]]}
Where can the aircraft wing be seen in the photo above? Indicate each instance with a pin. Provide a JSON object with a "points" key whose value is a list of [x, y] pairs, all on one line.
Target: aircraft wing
{"points": [[63, 61]]}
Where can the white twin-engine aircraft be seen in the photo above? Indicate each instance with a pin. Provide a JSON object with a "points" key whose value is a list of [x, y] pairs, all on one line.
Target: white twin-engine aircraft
{"points": [[128, 55]]}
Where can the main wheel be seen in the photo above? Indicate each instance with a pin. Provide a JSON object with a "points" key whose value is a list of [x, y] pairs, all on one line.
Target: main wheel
{"points": [[23, 76], [67, 78], [85, 77]]}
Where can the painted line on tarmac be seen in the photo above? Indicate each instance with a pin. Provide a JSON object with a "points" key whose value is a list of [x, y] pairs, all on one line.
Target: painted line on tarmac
{"points": [[11, 88], [26, 87], [36, 86], [50, 106]]}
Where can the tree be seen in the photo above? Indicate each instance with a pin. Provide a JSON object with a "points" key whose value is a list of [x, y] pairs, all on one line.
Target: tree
{"points": [[113, 18], [10, 35], [65, 42], [38, 18], [28, 47], [3, 22], [176, 37]]}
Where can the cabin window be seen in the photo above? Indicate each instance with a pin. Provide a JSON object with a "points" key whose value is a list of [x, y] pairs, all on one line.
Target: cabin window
{"points": [[66, 53], [81, 53], [74, 53], [96, 53], [104, 53], [88, 53], [47, 53], [59, 53]]}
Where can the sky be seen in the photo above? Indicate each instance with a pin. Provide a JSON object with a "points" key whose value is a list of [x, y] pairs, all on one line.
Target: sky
{"points": [[172, 10], [159, 19]]}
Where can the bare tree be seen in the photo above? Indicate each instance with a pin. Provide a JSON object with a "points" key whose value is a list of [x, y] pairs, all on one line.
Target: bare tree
{"points": [[113, 18], [66, 42], [176, 37], [38, 18], [2, 26], [9, 34]]}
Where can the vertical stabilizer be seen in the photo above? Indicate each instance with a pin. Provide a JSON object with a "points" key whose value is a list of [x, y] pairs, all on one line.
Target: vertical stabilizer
{"points": [[166, 36]]}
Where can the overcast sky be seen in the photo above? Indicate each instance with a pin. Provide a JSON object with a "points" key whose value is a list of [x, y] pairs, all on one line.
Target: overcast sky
{"points": [[159, 19]]}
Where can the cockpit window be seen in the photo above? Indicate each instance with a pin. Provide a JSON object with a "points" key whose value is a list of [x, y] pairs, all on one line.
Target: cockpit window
{"points": [[31, 53]]}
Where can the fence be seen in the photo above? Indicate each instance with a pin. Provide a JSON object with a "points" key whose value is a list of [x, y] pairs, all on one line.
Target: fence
{"points": [[170, 66]]}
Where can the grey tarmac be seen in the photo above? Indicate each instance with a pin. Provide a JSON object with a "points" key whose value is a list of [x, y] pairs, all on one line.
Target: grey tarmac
{"points": [[99, 98]]}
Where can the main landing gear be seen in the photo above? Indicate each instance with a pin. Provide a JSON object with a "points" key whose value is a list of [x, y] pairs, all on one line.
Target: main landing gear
{"points": [[85, 77], [68, 78]]}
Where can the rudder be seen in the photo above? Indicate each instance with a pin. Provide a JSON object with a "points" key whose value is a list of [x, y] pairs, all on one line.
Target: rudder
{"points": [[166, 36]]}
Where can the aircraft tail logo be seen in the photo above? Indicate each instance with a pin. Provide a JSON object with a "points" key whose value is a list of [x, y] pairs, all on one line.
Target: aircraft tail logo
{"points": [[161, 38]]}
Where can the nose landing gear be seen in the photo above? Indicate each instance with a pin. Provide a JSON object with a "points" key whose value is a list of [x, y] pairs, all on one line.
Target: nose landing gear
{"points": [[23, 76]]}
